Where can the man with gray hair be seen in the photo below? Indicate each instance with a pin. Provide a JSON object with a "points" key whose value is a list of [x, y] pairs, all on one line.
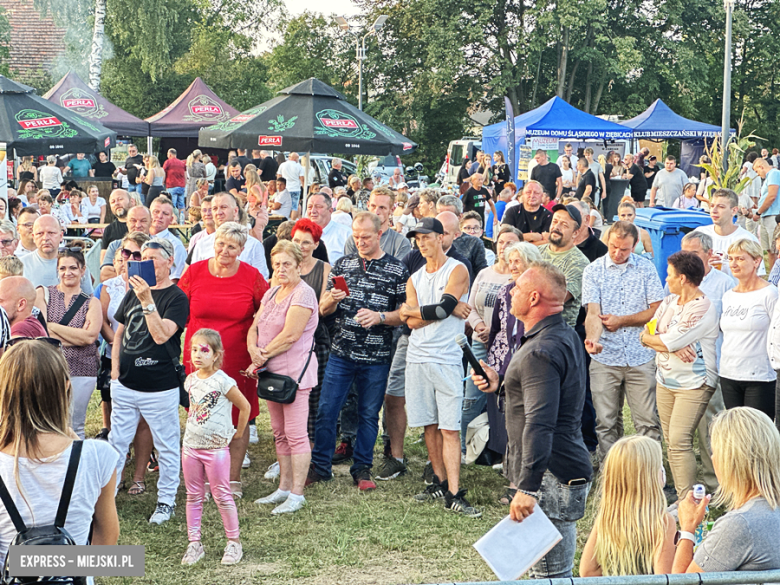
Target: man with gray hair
{"points": [[335, 177], [587, 239], [145, 370], [9, 238], [545, 391], [466, 245], [714, 285]]}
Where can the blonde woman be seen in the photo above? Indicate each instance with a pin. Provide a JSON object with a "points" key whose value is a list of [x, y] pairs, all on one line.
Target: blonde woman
{"points": [[155, 178], [256, 193], [633, 534], [195, 170], [746, 457], [26, 171], [343, 213]]}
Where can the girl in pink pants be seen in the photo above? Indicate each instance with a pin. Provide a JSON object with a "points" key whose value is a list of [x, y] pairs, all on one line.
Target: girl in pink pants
{"points": [[205, 454]]}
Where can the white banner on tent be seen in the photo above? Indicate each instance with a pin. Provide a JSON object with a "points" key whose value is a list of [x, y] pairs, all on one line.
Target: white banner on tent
{"points": [[543, 142]]}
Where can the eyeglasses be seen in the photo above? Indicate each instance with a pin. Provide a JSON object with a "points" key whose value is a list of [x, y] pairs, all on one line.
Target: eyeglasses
{"points": [[50, 340], [6, 243], [127, 254], [470, 229], [155, 246]]}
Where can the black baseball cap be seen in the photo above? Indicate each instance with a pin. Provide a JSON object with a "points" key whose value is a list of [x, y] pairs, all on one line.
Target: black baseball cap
{"points": [[427, 225], [572, 210]]}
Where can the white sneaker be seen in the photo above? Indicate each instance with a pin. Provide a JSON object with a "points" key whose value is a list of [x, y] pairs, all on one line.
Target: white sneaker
{"points": [[289, 505], [234, 552], [275, 498], [247, 462], [194, 553], [253, 438], [162, 514], [273, 471]]}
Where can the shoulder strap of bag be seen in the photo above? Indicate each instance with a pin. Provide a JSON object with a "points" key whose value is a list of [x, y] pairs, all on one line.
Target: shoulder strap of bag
{"points": [[308, 359], [11, 508], [74, 308], [67, 487]]}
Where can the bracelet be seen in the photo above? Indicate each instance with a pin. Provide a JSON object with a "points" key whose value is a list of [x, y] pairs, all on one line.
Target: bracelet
{"points": [[534, 495]]}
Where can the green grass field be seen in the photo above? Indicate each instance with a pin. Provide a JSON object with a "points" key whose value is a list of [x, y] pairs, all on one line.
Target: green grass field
{"points": [[342, 536]]}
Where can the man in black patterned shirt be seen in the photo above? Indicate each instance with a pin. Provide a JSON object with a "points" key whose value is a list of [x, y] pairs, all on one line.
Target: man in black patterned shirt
{"points": [[360, 352]]}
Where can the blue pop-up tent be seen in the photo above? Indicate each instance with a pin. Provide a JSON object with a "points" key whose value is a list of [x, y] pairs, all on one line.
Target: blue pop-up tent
{"points": [[660, 122], [555, 118]]}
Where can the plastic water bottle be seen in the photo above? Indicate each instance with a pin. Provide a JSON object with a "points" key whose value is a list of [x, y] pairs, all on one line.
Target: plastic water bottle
{"points": [[699, 493]]}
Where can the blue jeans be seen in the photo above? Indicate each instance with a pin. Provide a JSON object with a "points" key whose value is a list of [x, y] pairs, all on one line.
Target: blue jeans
{"points": [[564, 505], [474, 401], [348, 418], [134, 188], [295, 197], [339, 376], [177, 197]]}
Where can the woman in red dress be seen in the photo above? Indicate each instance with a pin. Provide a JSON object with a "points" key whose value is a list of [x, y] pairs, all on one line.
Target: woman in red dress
{"points": [[224, 294]]}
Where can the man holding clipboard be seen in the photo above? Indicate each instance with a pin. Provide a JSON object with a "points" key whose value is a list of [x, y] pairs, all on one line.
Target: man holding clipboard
{"points": [[545, 392]]}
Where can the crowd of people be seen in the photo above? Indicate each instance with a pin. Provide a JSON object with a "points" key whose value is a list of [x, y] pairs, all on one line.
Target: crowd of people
{"points": [[333, 322]]}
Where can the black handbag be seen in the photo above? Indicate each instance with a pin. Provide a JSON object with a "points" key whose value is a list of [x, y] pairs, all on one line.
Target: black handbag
{"points": [[280, 388], [181, 375]]}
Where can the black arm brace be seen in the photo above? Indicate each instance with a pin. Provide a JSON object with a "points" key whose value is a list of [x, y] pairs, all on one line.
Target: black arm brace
{"points": [[441, 310]]}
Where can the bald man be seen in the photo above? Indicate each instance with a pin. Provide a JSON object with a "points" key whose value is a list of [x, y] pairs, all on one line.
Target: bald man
{"points": [[17, 298], [545, 391], [40, 266]]}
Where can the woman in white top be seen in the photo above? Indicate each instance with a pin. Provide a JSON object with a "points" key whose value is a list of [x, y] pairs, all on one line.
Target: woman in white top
{"points": [[686, 330], [746, 374], [567, 176], [482, 300], [35, 447], [50, 175], [93, 207]]}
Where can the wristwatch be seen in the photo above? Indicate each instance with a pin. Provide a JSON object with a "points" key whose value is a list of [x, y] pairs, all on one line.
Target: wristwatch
{"points": [[382, 318], [683, 535], [149, 309]]}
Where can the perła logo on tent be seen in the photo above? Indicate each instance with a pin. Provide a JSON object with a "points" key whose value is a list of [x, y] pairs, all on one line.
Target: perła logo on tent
{"points": [[269, 140]]}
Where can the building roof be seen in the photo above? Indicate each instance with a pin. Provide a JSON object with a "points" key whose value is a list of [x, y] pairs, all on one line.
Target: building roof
{"points": [[35, 41]]}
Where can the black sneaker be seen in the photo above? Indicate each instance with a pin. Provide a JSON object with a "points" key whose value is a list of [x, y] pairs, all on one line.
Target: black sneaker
{"points": [[428, 475], [103, 434], [343, 453], [314, 477], [390, 469], [362, 479], [459, 504], [153, 464], [433, 492]]}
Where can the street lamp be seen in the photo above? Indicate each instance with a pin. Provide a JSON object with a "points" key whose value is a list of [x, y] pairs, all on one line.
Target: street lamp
{"points": [[360, 48], [725, 129]]}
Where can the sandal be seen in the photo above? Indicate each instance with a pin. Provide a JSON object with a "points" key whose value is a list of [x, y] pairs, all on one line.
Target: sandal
{"points": [[507, 497], [136, 489], [235, 488]]}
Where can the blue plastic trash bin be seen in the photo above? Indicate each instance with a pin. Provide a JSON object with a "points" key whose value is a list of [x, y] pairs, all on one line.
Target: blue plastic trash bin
{"points": [[667, 227]]}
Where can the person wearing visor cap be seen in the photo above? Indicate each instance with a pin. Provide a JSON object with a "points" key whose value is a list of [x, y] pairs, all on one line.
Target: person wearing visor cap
{"points": [[562, 253]]}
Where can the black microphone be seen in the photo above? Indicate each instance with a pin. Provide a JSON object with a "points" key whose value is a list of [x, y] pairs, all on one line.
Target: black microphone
{"points": [[463, 342]]}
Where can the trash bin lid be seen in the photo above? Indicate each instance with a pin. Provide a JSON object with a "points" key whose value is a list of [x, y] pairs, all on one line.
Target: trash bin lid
{"points": [[663, 218]]}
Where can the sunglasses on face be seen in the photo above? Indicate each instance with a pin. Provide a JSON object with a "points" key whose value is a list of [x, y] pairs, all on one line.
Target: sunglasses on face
{"points": [[127, 254], [50, 340]]}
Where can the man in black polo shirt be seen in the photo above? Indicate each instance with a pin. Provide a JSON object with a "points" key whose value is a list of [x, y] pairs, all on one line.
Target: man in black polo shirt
{"points": [[335, 177], [587, 184], [266, 165], [530, 217], [545, 392], [235, 182], [549, 175]]}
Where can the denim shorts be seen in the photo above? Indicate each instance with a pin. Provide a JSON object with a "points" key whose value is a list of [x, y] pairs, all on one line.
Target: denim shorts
{"points": [[434, 395]]}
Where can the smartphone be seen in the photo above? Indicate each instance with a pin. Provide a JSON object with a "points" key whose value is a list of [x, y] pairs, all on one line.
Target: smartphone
{"points": [[144, 269], [341, 284]]}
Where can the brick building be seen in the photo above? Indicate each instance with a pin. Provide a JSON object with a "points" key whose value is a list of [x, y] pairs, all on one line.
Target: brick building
{"points": [[35, 41]]}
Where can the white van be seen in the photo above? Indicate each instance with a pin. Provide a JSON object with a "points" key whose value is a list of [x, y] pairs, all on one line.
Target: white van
{"points": [[456, 150]]}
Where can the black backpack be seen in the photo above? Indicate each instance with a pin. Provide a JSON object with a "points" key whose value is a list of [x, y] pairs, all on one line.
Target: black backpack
{"points": [[44, 535]]}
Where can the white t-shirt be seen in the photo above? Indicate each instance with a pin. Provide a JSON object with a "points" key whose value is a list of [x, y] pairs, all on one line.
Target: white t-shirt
{"points": [[210, 419], [745, 322], [721, 244], [292, 171], [92, 211], [283, 197], [335, 236], [51, 177], [42, 487], [696, 324]]}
